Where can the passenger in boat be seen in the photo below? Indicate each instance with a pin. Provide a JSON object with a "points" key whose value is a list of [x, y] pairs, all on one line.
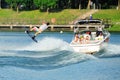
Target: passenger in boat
{"points": [[76, 39], [99, 30], [81, 40], [100, 37], [87, 37]]}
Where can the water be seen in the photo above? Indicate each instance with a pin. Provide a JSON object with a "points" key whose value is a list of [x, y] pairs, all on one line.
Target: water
{"points": [[53, 59]]}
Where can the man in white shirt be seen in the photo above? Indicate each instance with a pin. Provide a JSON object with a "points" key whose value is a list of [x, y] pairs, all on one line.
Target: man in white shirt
{"points": [[39, 30]]}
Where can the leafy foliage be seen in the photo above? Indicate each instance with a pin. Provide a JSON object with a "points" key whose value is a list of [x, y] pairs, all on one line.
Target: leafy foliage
{"points": [[15, 4], [46, 5]]}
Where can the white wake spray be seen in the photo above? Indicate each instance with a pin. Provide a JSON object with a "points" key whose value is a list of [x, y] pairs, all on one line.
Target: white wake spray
{"points": [[112, 50], [47, 44]]}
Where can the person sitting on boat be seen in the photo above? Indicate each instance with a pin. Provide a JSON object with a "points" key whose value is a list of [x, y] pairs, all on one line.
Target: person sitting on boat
{"points": [[99, 30], [100, 37], [81, 40], [76, 39], [87, 37]]}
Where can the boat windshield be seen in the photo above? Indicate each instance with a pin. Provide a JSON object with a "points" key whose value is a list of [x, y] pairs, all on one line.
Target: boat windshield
{"points": [[87, 21]]}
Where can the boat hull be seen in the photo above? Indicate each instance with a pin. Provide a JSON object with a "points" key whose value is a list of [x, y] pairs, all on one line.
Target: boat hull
{"points": [[92, 47], [85, 48]]}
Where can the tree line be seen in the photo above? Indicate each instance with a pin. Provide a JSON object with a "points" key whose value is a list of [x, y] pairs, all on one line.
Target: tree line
{"points": [[49, 5]]}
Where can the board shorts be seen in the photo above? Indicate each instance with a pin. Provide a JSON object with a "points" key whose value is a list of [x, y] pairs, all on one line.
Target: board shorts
{"points": [[36, 29]]}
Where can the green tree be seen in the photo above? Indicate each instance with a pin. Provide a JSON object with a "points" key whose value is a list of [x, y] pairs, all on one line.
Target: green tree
{"points": [[0, 4], [119, 4], [88, 6], [28, 4], [10, 2], [16, 4], [45, 4]]}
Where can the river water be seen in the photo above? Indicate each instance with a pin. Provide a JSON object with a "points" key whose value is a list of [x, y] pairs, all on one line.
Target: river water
{"points": [[53, 59]]}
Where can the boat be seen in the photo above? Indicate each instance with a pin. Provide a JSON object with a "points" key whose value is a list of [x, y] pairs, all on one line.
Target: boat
{"points": [[90, 36]]}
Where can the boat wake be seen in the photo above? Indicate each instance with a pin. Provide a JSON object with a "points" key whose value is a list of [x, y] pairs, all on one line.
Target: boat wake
{"points": [[49, 53], [112, 50]]}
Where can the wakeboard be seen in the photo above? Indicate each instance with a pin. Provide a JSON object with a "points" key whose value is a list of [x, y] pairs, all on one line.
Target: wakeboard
{"points": [[30, 35]]}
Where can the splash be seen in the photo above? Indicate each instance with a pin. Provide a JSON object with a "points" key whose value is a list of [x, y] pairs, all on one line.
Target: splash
{"points": [[48, 53], [112, 50], [47, 44], [46, 47]]}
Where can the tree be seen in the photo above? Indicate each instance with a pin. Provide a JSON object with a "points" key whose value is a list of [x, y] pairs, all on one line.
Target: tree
{"points": [[88, 6], [28, 4], [45, 4], [97, 4], [16, 4], [0, 4], [10, 2], [119, 4]]}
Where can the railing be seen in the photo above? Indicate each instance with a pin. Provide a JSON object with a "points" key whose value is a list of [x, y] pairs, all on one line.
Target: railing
{"points": [[35, 21], [12, 24]]}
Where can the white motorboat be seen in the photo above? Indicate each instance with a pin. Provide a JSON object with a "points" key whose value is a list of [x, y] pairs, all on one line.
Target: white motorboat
{"points": [[90, 39]]}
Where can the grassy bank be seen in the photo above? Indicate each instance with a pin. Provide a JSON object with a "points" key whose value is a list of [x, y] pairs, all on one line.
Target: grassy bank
{"points": [[113, 15], [35, 16], [114, 28]]}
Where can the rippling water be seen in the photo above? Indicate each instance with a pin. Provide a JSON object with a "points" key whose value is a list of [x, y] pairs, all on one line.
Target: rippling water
{"points": [[53, 53]]}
